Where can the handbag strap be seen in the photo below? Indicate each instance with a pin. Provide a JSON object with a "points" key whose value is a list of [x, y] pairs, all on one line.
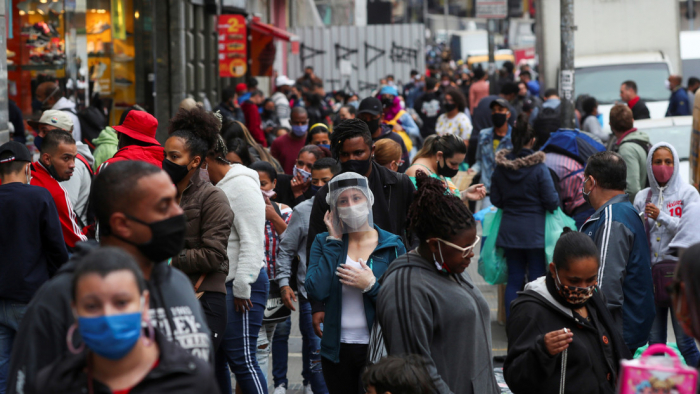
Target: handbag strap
{"points": [[562, 382], [647, 227], [199, 282]]}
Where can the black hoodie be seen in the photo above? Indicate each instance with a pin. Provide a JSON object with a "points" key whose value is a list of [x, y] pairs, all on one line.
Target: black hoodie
{"points": [[41, 337]]}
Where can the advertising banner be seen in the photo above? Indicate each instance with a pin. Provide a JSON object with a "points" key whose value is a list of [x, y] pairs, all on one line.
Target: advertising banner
{"points": [[233, 59]]}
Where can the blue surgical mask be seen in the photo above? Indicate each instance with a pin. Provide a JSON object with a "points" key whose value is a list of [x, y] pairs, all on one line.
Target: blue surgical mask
{"points": [[315, 189], [37, 141], [111, 336], [299, 131], [325, 146], [355, 104]]}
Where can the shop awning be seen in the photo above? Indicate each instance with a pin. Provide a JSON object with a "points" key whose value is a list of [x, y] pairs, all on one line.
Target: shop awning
{"points": [[276, 32]]}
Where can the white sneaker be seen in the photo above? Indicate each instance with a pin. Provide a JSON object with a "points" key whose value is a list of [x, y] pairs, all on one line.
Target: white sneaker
{"points": [[307, 389], [280, 390]]}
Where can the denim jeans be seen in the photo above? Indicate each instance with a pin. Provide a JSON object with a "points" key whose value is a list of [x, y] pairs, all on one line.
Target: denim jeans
{"points": [[11, 313], [312, 371], [685, 343], [265, 348], [280, 353], [520, 260], [239, 346]]}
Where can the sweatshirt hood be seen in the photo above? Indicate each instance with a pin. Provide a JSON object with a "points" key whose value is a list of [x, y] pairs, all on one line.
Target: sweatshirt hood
{"points": [[107, 136], [236, 171], [518, 166], [673, 184], [153, 154], [539, 287], [64, 103], [85, 151]]}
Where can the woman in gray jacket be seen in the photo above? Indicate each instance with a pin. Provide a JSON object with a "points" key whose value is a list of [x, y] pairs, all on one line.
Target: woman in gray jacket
{"points": [[429, 304]]}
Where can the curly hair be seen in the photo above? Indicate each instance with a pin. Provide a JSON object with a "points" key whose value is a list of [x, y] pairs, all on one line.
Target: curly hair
{"points": [[457, 97], [198, 128], [435, 213], [347, 129]]}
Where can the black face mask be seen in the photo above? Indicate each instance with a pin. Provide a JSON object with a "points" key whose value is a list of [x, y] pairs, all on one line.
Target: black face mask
{"points": [[52, 170], [449, 106], [387, 102], [373, 125], [444, 170], [176, 171], [498, 120], [168, 238], [357, 166]]}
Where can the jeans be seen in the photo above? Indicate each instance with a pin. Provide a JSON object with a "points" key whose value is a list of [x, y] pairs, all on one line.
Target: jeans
{"points": [[685, 343], [240, 341], [311, 350], [280, 352], [346, 376], [520, 260], [264, 348], [11, 313]]}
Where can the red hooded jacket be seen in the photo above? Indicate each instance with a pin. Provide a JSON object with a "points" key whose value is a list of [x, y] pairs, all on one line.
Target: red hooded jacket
{"points": [[253, 122], [150, 154], [72, 233]]}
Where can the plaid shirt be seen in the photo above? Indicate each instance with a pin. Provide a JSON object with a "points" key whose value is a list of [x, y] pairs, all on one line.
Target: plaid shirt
{"points": [[272, 243]]}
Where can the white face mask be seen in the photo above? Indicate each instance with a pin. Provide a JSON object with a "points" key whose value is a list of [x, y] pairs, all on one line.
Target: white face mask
{"points": [[354, 216], [667, 84]]}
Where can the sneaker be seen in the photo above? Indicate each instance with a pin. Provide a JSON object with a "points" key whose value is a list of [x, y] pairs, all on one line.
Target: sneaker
{"points": [[307, 389], [280, 390]]}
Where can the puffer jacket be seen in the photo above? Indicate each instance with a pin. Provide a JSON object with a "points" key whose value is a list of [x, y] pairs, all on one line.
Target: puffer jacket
{"points": [[679, 211], [209, 221]]}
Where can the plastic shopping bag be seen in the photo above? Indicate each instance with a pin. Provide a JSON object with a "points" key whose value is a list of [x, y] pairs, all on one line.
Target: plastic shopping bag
{"points": [[553, 226], [492, 262]]}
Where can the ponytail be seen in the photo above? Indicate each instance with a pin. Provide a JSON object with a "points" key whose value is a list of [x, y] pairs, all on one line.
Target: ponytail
{"points": [[448, 144], [522, 133]]}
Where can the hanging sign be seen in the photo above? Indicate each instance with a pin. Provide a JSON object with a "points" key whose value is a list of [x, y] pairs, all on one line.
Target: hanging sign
{"points": [[232, 46]]}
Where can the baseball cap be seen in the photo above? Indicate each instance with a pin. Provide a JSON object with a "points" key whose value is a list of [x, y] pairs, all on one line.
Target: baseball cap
{"points": [[370, 105], [55, 118], [282, 80], [19, 152], [140, 126], [500, 102], [241, 87]]}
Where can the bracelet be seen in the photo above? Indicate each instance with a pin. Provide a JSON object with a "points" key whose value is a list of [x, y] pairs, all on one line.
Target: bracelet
{"points": [[370, 286]]}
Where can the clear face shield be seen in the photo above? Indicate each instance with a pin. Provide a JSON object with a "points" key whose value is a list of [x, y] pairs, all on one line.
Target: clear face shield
{"points": [[351, 203]]}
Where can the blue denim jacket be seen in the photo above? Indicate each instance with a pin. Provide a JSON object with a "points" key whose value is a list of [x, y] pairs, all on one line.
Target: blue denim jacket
{"points": [[486, 157], [323, 285]]}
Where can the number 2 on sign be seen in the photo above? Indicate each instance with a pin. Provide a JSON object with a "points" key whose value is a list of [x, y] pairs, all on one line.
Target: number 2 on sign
{"points": [[677, 211]]}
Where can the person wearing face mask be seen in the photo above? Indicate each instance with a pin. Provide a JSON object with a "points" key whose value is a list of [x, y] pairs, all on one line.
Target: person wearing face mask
{"points": [[429, 305], [352, 147], [371, 113], [246, 283], [30, 240], [454, 120], [625, 266], [209, 217], [440, 158], [387, 153], [491, 141], [346, 112], [296, 188], [137, 211], [270, 120], [281, 99], [522, 187], [394, 115], [121, 349], [50, 95], [678, 104], [669, 206], [286, 148], [319, 135], [352, 99], [344, 265], [57, 164], [561, 323], [252, 116]]}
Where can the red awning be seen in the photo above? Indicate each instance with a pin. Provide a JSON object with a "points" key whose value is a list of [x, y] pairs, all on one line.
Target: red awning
{"points": [[276, 32]]}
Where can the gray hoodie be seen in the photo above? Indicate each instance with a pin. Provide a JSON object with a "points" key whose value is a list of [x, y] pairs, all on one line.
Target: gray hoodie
{"points": [[442, 317], [63, 104], [78, 186], [292, 244], [679, 211]]}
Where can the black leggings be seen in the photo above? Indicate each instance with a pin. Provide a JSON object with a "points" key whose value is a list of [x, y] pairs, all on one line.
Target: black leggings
{"points": [[214, 308], [346, 376]]}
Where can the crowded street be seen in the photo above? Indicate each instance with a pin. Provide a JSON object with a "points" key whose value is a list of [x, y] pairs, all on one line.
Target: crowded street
{"points": [[349, 196]]}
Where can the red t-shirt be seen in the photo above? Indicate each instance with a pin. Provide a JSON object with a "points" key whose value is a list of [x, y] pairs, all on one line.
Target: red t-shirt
{"points": [[286, 150]]}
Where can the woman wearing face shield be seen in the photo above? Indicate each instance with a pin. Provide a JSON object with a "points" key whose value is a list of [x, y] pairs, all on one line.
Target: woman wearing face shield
{"points": [[561, 323], [121, 352], [344, 266]]}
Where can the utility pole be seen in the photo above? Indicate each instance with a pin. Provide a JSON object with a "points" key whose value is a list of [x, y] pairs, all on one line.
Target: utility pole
{"points": [[493, 75], [691, 15], [566, 77]]}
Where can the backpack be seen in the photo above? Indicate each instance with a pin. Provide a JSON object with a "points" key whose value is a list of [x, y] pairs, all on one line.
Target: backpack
{"points": [[548, 121], [92, 122], [573, 144], [645, 145]]}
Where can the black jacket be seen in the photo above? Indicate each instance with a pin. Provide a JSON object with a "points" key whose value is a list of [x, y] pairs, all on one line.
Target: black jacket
{"points": [[429, 108], [178, 371], [285, 195], [41, 337], [393, 194], [640, 110], [593, 355]]}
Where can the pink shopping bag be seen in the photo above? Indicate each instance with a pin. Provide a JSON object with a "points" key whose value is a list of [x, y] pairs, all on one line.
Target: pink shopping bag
{"points": [[656, 374]]}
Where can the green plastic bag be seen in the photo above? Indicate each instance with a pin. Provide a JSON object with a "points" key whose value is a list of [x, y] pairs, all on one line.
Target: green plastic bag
{"points": [[553, 226], [492, 262]]}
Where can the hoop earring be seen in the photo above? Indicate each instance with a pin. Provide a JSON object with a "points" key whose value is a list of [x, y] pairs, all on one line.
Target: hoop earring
{"points": [[151, 338], [69, 340]]}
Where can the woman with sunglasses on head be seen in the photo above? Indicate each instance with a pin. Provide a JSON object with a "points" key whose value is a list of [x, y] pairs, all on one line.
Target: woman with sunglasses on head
{"points": [[560, 322], [344, 266], [120, 351], [522, 187], [428, 305]]}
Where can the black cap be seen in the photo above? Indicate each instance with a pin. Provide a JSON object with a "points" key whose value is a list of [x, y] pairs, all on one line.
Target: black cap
{"points": [[370, 105], [19, 152], [500, 102]]}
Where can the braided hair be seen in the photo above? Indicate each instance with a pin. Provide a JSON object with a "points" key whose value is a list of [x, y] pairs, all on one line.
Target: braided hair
{"points": [[435, 213], [347, 129]]}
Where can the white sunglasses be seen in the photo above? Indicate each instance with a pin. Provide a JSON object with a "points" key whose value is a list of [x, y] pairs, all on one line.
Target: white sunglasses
{"points": [[465, 251]]}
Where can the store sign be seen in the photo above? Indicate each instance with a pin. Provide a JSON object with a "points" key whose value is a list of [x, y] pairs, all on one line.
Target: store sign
{"points": [[491, 9], [232, 46]]}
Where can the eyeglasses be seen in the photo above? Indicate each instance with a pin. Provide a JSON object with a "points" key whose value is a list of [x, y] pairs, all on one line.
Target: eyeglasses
{"points": [[465, 251]]}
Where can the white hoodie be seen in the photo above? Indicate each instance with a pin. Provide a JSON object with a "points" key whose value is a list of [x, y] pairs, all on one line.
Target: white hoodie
{"points": [[63, 104], [246, 245], [679, 206]]}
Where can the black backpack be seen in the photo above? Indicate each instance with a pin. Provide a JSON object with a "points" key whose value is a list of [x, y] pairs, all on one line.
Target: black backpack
{"points": [[92, 122], [548, 121]]}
